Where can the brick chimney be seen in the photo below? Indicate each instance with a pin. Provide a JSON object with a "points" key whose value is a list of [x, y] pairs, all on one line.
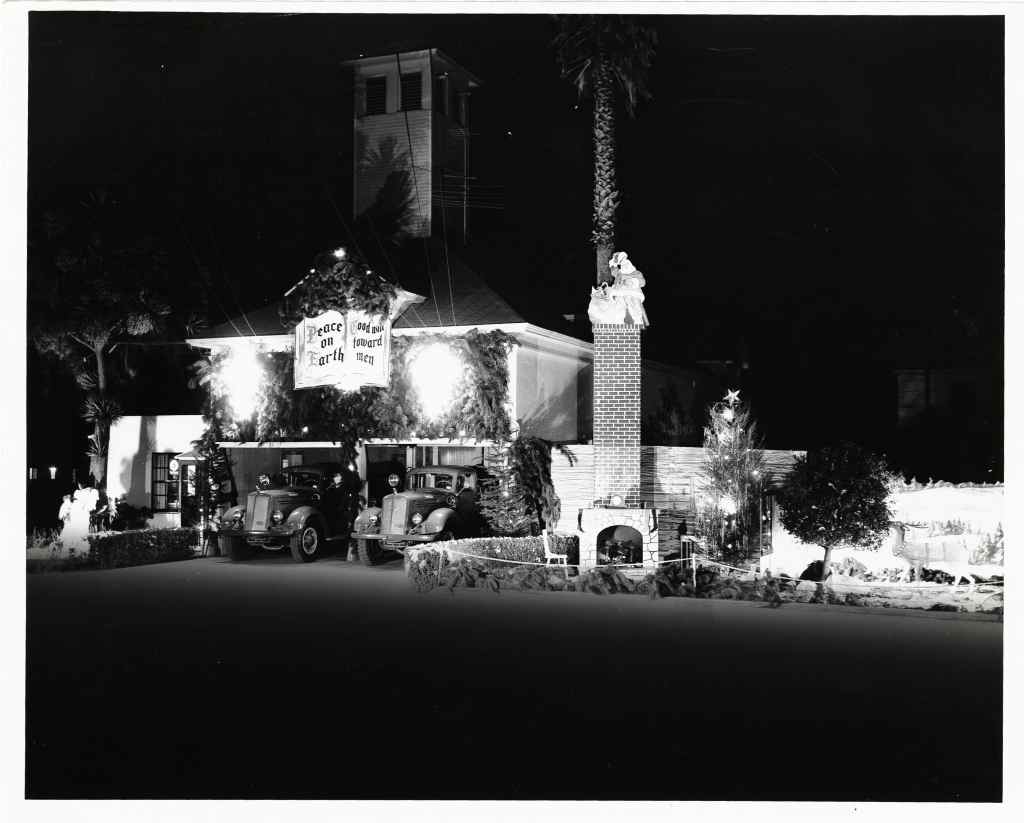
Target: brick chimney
{"points": [[617, 414], [617, 519]]}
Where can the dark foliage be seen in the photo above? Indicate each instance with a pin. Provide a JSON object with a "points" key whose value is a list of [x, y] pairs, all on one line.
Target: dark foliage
{"points": [[518, 498], [112, 550], [126, 517], [341, 281]]}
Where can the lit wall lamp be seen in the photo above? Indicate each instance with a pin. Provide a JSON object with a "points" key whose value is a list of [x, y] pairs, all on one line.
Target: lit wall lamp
{"points": [[53, 472]]}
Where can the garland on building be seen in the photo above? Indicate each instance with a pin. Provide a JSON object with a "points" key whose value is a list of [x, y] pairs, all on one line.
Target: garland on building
{"points": [[733, 469], [340, 281]]}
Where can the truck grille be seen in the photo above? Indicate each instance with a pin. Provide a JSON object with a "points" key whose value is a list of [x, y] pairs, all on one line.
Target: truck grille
{"points": [[256, 512], [394, 513]]}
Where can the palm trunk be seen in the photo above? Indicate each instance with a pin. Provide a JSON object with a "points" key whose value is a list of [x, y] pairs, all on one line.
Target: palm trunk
{"points": [[100, 428], [606, 193]]}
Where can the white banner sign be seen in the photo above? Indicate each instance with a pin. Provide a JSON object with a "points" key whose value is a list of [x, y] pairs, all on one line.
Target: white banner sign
{"points": [[349, 351]]}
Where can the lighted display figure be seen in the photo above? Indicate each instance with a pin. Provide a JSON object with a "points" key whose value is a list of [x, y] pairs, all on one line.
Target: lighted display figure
{"points": [[621, 301], [64, 513], [73, 536], [628, 288]]}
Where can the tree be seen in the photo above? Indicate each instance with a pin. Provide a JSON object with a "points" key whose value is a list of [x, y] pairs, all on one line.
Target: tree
{"points": [[733, 469], [837, 496], [95, 281], [606, 57], [519, 497]]}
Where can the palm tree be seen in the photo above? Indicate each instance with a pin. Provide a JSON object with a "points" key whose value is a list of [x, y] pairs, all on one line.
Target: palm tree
{"points": [[606, 57], [93, 284]]}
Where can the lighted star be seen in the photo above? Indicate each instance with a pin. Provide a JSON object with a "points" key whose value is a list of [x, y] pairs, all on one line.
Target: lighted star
{"points": [[732, 396]]}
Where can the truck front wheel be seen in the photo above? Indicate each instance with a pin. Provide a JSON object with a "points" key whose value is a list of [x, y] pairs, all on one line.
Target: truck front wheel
{"points": [[369, 551], [306, 544]]}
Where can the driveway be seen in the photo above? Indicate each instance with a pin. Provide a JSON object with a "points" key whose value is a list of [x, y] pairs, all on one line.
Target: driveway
{"points": [[264, 679]]}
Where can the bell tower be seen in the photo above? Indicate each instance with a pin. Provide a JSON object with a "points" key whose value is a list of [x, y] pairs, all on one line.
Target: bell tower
{"points": [[411, 140]]}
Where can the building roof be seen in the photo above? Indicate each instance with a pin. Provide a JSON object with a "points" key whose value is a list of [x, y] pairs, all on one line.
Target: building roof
{"points": [[461, 299]]}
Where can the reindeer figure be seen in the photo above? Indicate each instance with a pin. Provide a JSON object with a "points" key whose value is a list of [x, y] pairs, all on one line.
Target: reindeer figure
{"points": [[919, 551]]}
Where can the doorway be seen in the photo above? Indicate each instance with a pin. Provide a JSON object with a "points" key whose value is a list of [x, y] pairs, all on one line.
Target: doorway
{"points": [[382, 461]]}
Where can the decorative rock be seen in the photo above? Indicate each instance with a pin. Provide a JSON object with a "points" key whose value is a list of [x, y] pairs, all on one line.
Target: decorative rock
{"points": [[805, 590]]}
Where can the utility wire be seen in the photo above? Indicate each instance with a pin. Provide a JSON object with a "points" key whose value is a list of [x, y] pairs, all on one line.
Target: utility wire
{"points": [[231, 289], [416, 184], [447, 253], [195, 259]]}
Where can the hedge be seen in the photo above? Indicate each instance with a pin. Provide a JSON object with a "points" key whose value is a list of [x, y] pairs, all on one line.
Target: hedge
{"points": [[112, 550], [523, 549]]}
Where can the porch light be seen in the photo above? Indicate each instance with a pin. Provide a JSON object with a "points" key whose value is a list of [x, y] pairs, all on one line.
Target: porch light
{"points": [[436, 370], [241, 376]]}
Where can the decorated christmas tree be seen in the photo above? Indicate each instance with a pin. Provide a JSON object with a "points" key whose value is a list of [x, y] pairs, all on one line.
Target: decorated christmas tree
{"points": [[519, 497], [728, 515], [502, 500]]}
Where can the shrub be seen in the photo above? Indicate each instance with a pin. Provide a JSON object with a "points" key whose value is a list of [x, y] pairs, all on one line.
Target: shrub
{"points": [[44, 538], [521, 549], [127, 517], [426, 571], [111, 550]]}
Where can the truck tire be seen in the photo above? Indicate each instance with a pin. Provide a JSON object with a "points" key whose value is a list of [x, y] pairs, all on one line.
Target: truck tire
{"points": [[307, 543], [234, 547], [369, 551]]}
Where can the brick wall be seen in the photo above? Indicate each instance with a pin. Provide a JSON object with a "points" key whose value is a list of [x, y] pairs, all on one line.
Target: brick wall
{"points": [[617, 412]]}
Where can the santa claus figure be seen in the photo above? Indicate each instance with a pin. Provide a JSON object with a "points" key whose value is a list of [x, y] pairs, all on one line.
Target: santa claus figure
{"points": [[628, 289]]}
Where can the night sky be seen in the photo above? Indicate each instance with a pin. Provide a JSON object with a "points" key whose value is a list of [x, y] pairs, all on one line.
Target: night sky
{"points": [[821, 196]]}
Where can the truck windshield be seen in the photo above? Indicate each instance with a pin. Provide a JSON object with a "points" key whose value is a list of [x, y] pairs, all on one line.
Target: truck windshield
{"points": [[429, 480], [307, 480]]}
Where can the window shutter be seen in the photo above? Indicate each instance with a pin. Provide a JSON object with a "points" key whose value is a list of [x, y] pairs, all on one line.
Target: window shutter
{"points": [[376, 95], [412, 91]]}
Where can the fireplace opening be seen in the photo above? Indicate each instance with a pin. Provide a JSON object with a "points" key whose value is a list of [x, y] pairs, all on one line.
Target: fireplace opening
{"points": [[619, 544]]}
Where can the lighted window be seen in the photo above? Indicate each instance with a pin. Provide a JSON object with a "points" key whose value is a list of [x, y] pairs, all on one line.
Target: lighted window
{"points": [[33, 473], [412, 91], [376, 95], [165, 497]]}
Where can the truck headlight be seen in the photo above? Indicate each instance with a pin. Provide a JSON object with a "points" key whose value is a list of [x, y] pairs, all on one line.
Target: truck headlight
{"points": [[417, 519], [373, 520], [277, 517]]}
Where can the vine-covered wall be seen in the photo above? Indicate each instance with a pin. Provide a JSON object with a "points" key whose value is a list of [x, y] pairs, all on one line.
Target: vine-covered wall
{"points": [[325, 413]]}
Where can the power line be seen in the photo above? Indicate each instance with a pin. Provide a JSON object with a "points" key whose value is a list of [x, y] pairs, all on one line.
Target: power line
{"points": [[227, 283], [447, 253], [416, 184], [216, 296]]}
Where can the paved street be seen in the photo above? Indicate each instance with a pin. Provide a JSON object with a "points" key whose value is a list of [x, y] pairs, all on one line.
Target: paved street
{"points": [[205, 678]]}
